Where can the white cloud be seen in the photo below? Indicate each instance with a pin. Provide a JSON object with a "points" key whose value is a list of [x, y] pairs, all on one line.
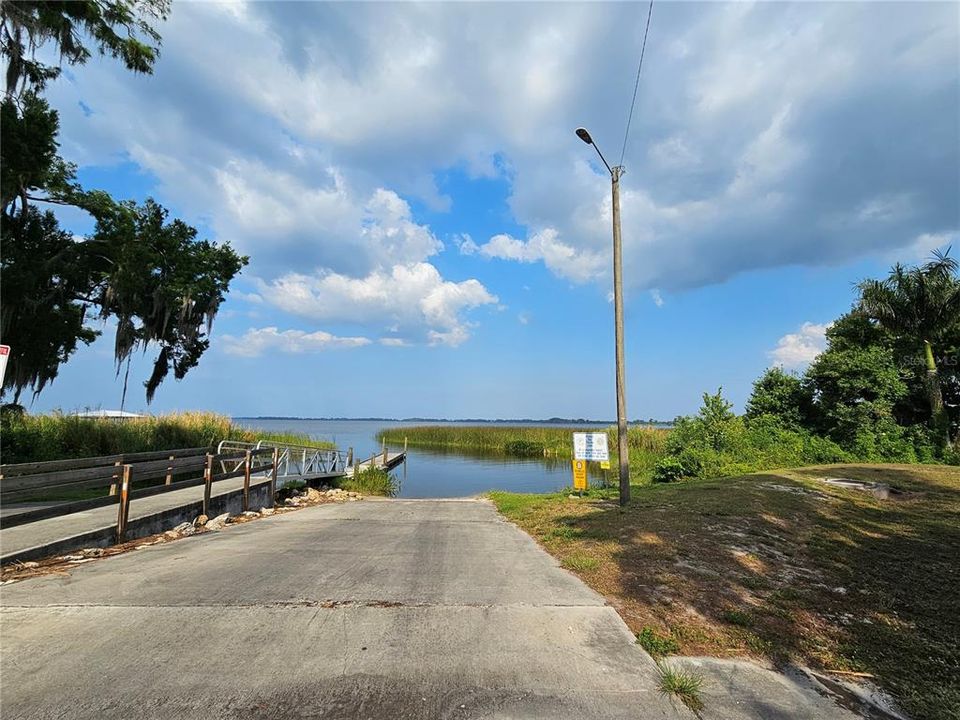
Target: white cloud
{"points": [[319, 222], [251, 298], [523, 318], [564, 260], [256, 342], [760, 122], [468, 246], [922, 247], [656, 297], [797, 349], [411, 300]]}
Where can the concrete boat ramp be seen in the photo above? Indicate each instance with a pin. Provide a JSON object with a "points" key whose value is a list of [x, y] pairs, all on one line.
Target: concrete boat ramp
{"points": [[375, 609]]}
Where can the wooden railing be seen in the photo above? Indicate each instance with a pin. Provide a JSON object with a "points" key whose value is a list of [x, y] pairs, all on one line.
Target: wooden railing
{"points": [[118, 473]]}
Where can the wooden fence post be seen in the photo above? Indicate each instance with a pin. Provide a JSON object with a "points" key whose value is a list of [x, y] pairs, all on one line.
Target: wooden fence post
{"points": [[273, 477], [169, 471], [404, 444], [246, 482], [124, 512], [349, 457], [207, 484], [116, 477], [384, 456]]}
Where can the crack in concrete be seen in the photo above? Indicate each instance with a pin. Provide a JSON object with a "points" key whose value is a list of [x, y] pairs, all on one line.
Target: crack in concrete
{"points": [[320, 604]]}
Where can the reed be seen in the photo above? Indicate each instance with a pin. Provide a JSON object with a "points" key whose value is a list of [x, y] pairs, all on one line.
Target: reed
{"points": [[36, 438], [646, 444], [372, 481]]}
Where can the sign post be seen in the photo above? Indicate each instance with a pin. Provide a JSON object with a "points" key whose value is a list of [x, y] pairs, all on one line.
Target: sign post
{"points": [[588, 447], [580, 475]]}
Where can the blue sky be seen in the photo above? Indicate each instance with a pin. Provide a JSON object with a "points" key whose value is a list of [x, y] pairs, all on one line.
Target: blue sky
{"points": [[429, 238]]}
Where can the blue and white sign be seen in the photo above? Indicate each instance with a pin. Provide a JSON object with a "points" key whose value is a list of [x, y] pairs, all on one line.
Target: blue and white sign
{"points": [[590, 446]]}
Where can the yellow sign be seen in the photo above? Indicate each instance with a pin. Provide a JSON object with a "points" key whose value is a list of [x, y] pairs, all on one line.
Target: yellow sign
{"points": [[579, 474], [604, 464]]}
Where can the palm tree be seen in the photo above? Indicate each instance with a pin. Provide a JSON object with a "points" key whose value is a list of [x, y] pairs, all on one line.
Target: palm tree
{"points": [[919, 305]]}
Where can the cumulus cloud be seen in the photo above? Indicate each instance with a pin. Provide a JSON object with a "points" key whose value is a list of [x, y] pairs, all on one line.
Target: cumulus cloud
{"points": [[564, 260], [256, 342], [795, 350], [762, 137], [656, 297], [411, 301]]}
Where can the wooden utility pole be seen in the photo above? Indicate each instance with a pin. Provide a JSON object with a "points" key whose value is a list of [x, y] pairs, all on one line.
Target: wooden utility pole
{"points": [[623, 450]]}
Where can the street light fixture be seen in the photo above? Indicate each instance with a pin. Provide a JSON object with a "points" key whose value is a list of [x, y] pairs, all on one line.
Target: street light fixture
{"points": [[622, 446]]}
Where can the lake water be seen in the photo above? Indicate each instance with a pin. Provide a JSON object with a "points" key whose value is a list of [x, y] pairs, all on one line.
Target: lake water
{"points": [[431, 473]]}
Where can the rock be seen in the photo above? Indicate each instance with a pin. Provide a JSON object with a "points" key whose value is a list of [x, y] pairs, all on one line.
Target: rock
{"points": [[30, 564], [200, 521], [91, 552], [250, 514], [351, 494], [218, 522], [313, 495], [171, 534], [71, 558], [291, 501], [185, 528], [267, 511]]}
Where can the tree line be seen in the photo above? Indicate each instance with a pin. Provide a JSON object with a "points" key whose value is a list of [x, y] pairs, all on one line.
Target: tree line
{"points": [[885, 389]]}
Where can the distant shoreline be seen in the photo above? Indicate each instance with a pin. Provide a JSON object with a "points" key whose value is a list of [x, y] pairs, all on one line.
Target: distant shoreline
{"points": [[479, 421]]}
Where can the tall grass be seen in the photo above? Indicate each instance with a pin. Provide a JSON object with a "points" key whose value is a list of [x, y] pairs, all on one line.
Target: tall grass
{"points": [[646, 444], [35, 438], [372, 481]]}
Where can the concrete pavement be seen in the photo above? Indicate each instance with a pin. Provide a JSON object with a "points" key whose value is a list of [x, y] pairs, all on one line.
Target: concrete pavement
{"points": [[376, 609]]}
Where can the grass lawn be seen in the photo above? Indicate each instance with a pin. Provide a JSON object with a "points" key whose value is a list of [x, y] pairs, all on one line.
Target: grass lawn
{"points": [[780, 566]]}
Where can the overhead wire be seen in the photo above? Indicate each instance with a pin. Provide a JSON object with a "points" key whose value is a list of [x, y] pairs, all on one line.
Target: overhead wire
{"points": [[636, 85]]}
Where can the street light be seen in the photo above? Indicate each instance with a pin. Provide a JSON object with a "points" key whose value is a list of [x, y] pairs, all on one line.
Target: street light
{"points": [[622, 446]]}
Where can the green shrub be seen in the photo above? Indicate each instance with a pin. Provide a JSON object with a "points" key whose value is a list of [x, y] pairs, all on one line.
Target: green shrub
{"points": [[668, 470], [717, 443]]}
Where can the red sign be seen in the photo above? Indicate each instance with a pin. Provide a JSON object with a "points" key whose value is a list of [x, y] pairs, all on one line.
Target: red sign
{"points": [[4, 352]]}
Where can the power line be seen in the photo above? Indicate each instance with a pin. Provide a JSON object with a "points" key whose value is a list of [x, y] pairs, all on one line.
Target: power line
{"points": [[637, 84]]}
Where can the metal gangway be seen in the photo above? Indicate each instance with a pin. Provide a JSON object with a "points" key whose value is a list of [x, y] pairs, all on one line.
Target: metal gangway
{"points": [[294, 462]]}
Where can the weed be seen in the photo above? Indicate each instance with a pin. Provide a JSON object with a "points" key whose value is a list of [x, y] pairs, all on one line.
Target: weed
{"points": [[581, 563], [565, 532], [655, 643], [737, 617], [685, 684]]}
